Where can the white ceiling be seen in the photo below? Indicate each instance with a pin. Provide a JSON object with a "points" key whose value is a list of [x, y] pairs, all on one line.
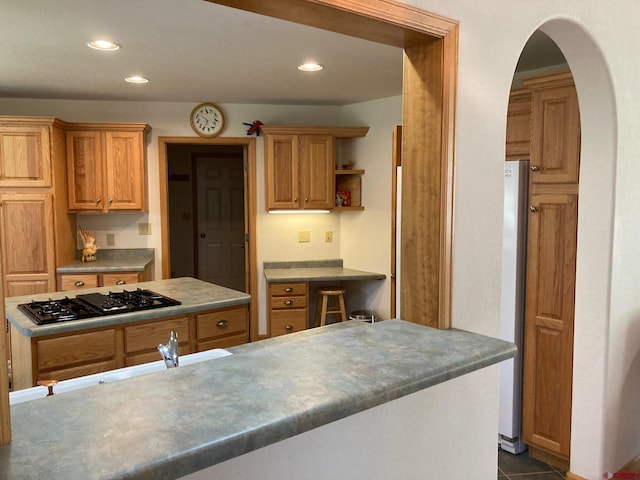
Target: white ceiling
{"points": [[191, 50]]}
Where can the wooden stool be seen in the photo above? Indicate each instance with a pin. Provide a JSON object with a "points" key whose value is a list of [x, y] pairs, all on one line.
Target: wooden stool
{"points": [[322, 308]]}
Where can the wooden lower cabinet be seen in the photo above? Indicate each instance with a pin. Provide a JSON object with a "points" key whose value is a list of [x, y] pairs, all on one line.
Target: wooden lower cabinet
{"points": [[78, 281], [549, 319], [64, 356], [288, 306]]}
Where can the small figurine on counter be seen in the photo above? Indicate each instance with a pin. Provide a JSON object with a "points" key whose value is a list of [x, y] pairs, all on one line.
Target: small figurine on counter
{"points": [[89, 247]]}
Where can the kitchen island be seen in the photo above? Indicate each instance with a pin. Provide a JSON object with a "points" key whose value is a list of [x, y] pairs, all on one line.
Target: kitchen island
{"points": [[209, 316], [261, 412]]}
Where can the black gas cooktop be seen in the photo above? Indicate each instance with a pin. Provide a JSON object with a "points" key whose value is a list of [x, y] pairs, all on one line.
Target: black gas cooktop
{"points": [[94, 305]]}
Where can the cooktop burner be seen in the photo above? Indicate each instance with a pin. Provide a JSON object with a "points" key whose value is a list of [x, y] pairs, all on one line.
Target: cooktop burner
{"points": [[94, 305]]}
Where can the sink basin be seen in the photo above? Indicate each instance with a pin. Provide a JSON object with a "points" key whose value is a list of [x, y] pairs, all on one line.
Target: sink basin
{"points": [[64, 386]]}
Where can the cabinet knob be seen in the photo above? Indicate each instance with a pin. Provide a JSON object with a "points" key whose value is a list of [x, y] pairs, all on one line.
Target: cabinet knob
{"points": [[295, 199], [49, 384], [98, 200], [121, 282], [79, 283], [533, 209], [288, 290], [306, 200], [288, 302], [534, 168], [288, 328], [110, 201], [223, 324]]}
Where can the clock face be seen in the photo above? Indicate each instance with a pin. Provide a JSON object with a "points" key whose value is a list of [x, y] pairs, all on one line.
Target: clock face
{"points": [[207, 120]]}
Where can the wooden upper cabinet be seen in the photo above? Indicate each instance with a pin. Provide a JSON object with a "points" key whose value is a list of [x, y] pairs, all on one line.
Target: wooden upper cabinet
{"points": [[519, 125], [25, 155], [106, 165], [316, 170], [555, 133], [300, 165], [281, 176]]}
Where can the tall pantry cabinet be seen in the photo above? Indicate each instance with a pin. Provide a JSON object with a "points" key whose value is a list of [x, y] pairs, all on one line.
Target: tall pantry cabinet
{"points": [[36, 232], [551, 267]]}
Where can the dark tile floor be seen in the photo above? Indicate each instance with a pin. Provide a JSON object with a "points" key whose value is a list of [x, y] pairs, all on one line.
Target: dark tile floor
{"points": [[521, 467]]}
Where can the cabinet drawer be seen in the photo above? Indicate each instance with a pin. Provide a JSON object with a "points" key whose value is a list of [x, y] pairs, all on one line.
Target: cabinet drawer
{"points": [[77, 282], [79, 371], [289, 302], [149, 335], [278, 289], [146, 357], [109, 279], [224, 342], [220, 323], [288, 321], [83, 347]]}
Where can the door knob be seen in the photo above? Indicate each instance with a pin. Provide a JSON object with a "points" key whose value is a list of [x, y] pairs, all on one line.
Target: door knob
{"points": [[533, 209], [202, 235], [534, 168]]}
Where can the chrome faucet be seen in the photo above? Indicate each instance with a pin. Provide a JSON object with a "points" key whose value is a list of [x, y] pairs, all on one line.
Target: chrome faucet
{"points": [[169, 351]]}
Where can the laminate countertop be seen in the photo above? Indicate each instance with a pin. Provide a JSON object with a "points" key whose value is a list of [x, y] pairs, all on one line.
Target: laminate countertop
{"points": [[315, 271], [112, 260], [171, 423], [195, 295]]}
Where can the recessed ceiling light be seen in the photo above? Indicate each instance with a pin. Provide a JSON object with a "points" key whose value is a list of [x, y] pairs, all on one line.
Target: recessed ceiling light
{"points": [[136, 79], [103, 45], [310, 67]]}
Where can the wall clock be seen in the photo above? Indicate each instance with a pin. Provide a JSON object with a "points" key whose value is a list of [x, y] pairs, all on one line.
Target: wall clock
{"points": [[207, 120]]}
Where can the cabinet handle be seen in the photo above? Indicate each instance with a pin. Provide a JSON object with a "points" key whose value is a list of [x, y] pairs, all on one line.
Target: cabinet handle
{"points": [[98, 200], [295, 199], [288, 328], [306, 200], [533, 209], [534, 168], [223, 324], [110, 201], [121, 282], [288, 302], [288, 290], [79, 283]]}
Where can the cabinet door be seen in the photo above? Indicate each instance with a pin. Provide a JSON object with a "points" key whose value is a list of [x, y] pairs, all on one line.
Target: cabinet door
{"points": [[25, 156], [281, 171], [550, 300], [85, 170], [555, 136], [125, 170], [317, 167], [28, 251]]}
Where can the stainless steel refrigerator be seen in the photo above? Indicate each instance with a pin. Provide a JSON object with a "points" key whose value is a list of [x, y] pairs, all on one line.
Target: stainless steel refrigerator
{"points": [[514, 248]]}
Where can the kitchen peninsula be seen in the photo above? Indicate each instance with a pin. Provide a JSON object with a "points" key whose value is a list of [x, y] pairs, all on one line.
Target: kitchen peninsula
{"points": [[298, 406], [208, 316]]}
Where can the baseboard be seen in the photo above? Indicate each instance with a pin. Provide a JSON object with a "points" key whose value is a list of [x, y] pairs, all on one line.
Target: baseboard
{"points": [[550, 458], [573, 476]]}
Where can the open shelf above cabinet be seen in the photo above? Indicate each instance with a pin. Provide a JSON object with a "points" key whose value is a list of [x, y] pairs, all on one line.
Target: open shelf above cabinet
{"points": [[349, 190]]}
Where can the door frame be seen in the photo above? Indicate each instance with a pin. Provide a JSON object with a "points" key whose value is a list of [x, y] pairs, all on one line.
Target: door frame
{"points": [[430, 72], [251, 268]]}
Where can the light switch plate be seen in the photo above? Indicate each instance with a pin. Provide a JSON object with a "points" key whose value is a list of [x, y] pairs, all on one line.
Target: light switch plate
{"points": [[304, 236], [328, 236]]}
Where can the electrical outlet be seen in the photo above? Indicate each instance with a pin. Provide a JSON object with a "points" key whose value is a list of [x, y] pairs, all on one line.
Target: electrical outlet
{"points": [[328, 236], [111, 240], [144, 229], [304, 236]]}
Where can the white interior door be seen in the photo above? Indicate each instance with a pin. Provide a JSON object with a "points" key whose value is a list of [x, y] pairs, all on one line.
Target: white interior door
{"points": [[220, 222]]}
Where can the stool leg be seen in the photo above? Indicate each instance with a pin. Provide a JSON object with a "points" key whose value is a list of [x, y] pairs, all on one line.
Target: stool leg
{"points": [[316, 319], [323, 315], [343, 310]]}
